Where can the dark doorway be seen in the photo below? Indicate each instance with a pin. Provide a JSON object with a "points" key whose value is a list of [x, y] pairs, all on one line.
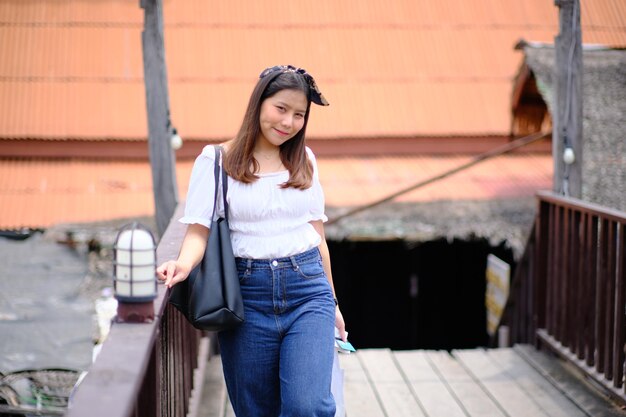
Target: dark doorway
{"points": [[414, 295]]}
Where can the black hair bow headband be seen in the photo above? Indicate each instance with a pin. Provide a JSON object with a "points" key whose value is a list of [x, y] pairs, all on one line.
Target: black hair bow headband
{"points": [[316, 95]]}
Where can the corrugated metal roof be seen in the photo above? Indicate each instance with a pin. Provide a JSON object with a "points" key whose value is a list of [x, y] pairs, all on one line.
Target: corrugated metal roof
{"points": [[73, 68], [40, 193]]}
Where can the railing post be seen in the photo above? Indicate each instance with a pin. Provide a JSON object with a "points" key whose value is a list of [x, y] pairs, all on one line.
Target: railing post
{"points": [[620, 331], [579, 301], [589, 287], [610, 300], [539, 275], [601, 296]]}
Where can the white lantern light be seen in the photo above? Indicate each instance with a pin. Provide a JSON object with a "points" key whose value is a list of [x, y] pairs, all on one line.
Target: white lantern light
{"points": [[134, 269], [568, 156], [175, 140]]}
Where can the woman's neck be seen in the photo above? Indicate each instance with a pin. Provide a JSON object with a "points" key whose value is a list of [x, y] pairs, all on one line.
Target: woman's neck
{"points": [[268, 158]]}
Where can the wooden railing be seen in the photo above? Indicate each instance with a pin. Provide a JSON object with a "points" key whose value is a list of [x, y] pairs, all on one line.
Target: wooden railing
{"points": [[568, 291], [145, 369]]}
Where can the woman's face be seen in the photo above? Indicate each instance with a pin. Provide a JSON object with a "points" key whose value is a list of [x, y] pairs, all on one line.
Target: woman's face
{"points": [[282, 116]]}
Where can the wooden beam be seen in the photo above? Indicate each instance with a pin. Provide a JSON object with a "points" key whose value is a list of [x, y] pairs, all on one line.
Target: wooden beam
{"points": [[568, 120], [133, 149], [162, 158]]}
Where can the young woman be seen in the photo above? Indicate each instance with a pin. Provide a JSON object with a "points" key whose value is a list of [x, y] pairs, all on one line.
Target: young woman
{"points": [[279, 361]]}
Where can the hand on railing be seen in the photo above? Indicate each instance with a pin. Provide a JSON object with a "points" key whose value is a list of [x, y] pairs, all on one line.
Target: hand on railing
{"points": [[191, 253], [173, 272]]}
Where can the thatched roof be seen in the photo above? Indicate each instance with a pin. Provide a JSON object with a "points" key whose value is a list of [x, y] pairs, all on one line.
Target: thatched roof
{"points": [[498, 220], [604, 119]]}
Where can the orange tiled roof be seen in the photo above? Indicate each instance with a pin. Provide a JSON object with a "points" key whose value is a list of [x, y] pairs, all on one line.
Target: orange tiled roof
{"points": [[73, 68], [40, 193]]}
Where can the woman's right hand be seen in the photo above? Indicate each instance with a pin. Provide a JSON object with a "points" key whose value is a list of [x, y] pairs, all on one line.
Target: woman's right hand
{"points": [[173, 272], [191, 253]]}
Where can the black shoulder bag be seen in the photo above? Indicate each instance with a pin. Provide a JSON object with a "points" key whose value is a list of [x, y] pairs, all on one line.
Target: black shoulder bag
{"points": [[210, 297]]}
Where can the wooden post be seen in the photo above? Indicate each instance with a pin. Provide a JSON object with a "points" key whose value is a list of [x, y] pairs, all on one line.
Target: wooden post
{"points": [[162, 158], [568, 121]]}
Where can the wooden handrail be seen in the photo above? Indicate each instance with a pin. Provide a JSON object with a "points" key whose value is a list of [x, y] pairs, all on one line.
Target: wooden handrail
{"points": [[582, 206], [144, 369]]}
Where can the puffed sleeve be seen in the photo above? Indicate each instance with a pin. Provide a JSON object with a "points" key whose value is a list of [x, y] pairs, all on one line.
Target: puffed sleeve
{"points": [[199, 205], [317, 205]]}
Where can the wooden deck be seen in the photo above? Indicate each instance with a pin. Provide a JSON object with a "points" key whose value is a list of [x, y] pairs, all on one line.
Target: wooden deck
{"points": [[515, 382]]}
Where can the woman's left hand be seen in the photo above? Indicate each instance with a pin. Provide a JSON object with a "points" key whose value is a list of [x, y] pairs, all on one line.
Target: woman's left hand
{"points": [[340, 324]]}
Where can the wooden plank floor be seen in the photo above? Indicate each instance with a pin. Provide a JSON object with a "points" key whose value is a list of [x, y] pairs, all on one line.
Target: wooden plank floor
{"points": [[512, 382]]}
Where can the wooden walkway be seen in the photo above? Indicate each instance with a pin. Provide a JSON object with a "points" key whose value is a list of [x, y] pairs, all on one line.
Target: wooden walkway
{"points": [[515, 382]]}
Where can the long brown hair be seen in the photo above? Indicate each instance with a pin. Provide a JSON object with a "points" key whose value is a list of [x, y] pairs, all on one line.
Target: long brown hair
{"points": [[239, 161]]}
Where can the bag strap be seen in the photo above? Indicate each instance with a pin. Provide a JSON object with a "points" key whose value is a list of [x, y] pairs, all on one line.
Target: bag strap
{"points": [[217, 169], [224, 184]]}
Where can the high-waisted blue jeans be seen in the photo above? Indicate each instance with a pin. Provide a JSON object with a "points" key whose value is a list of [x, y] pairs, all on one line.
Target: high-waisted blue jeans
{"points": [[279, 361]]}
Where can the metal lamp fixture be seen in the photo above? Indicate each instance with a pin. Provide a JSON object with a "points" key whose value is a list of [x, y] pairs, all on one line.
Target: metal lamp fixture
{"points": [[134, 273]]}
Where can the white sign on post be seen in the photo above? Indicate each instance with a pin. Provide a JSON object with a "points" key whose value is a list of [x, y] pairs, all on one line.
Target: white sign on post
{"points": [[498, 273]]}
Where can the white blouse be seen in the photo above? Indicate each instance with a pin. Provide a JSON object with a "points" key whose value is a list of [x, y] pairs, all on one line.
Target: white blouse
{"points": [[265, 221]]}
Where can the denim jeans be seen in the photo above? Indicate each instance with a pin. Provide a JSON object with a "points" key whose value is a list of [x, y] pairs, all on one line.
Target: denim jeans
{"points": [[279, 361]]}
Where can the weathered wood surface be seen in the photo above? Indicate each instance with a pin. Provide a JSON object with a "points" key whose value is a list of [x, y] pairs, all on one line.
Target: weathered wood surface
{"points": [[508, 382], [215, 401], [162, 159]]}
